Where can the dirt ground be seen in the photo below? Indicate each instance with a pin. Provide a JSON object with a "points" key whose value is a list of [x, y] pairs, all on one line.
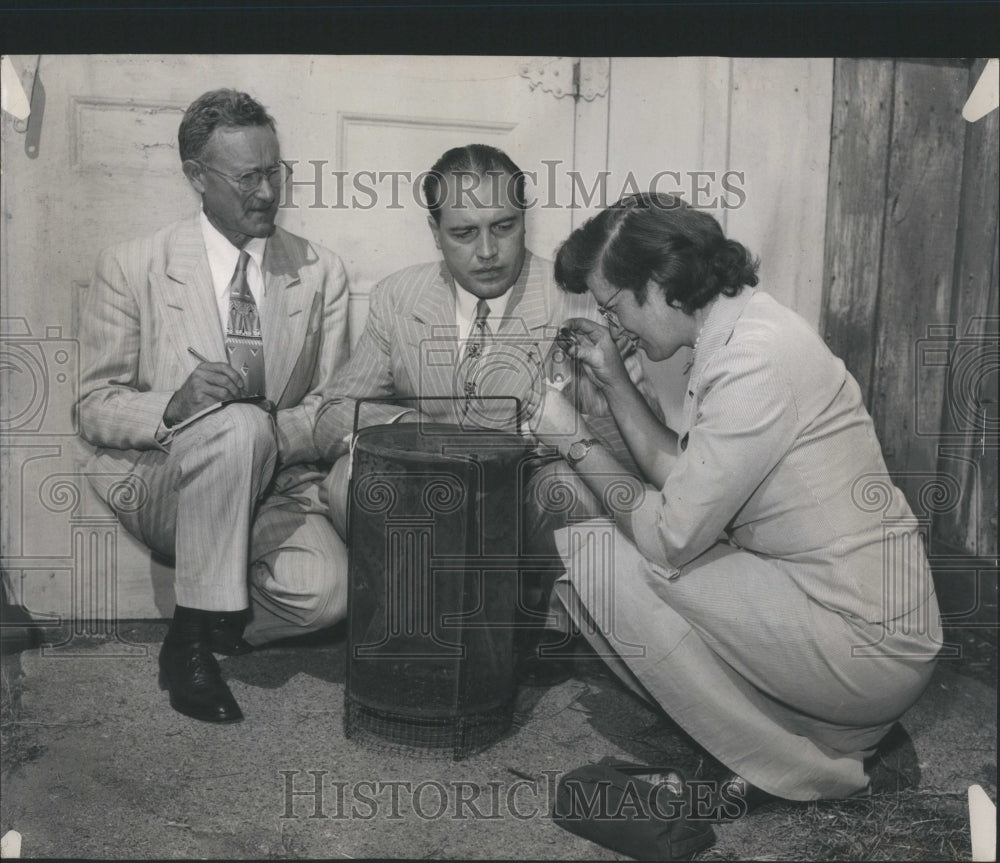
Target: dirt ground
{"points": [[97, 765]]}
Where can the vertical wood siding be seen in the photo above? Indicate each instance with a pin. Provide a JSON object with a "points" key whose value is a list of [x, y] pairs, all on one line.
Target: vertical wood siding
{"points": [[918, 257], [910, 298], [969, 425], [859, 148]]}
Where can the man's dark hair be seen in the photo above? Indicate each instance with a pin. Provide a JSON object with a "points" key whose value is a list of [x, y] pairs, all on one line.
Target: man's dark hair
{"points": [[658, 237], [480, 160], [212, 110]]}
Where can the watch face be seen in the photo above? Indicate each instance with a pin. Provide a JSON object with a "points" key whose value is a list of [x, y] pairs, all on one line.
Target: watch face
{"points": [[578, 449]]}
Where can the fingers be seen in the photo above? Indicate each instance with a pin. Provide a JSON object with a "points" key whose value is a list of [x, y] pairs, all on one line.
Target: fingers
{"points": [[592, 330], [217, 378], [211, 392], [211, 371], [625, 343]]}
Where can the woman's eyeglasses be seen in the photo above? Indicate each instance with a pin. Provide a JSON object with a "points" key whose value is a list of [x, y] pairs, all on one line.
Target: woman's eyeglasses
{"points": [[610, 315]]}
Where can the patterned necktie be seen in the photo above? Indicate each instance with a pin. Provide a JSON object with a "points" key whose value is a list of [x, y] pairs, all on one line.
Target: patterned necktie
{"points": [[479, 332], [475, 348], [244, 345]]}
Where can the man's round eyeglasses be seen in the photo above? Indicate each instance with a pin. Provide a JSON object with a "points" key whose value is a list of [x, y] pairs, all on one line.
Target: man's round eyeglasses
{"points": [[276, 176]]}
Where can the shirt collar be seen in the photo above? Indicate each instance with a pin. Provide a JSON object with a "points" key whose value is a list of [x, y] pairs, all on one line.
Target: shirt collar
{"points": [[718, 327], [466, 303], [223, 253]]}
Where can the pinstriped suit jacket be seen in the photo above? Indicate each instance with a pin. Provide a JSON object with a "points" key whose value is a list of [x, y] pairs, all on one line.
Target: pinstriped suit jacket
{"points": [[410, 348], [153, 298]]}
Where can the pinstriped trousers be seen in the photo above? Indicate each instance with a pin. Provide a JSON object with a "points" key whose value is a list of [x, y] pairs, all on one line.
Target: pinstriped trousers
{"points": [[235, 544], [553, 494]]}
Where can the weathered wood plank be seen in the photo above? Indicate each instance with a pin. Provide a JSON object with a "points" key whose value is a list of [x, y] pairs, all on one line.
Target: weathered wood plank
{"points": [[780, 142], [859, 147], [969, 423], [918, 259]]}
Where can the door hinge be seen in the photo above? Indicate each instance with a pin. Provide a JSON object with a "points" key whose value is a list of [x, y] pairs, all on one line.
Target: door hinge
{"points": [[580, 77]]}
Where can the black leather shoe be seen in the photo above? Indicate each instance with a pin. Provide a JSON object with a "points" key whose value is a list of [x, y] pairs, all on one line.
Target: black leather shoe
{"points": [[225, 635], [190, 672]]}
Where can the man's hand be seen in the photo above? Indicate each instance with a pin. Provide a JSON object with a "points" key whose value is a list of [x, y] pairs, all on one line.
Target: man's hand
{"points": [[207, 384], [556, 420]]}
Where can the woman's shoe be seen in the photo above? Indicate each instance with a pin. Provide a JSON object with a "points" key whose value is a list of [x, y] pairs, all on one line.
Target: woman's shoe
{"points": [[735, 798]]}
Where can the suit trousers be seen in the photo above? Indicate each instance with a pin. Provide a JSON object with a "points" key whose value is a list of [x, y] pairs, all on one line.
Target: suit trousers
{"points": [[553, 495], [209, 504]]}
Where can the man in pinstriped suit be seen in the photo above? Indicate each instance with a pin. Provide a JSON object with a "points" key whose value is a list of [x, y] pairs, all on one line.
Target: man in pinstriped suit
{"points": [[475, 195], [233, 492]]}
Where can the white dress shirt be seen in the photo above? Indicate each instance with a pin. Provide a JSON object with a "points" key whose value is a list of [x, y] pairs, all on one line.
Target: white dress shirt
{"points": [[222, 258], [465, 311]]}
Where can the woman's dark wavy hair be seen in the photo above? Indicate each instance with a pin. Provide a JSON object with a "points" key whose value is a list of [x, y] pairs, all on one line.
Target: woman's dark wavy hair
{"points": [[659, 237]]}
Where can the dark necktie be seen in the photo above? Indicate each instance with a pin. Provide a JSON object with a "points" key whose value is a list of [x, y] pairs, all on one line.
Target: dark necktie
{"points": [[244, 345]]}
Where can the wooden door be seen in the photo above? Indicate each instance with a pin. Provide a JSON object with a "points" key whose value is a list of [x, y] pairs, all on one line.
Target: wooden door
{"points": [[105, 168], [746, 139]]}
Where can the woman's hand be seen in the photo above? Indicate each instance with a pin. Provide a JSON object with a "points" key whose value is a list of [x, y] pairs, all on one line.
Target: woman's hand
{"points": [[597, 352]]}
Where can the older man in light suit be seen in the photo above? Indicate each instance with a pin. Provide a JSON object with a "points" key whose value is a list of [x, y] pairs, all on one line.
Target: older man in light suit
{"points": [[206, 347]]}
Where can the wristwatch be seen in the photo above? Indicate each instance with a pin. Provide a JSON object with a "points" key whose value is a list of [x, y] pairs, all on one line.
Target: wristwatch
{"points": [[578, 450]]}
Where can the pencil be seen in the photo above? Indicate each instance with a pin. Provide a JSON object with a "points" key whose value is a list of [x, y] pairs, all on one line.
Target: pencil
{"points": [[198, 356]]}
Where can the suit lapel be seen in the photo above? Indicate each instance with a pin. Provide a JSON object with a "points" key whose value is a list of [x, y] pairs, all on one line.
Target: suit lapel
{"points": [[285, 313], [526, 310], [716, 332], [429, 335], [187, 297], [430, 339], [433, 302]]}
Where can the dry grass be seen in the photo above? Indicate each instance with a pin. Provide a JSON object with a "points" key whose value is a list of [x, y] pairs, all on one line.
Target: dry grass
{"points": [[17, 741], [905, 825]]}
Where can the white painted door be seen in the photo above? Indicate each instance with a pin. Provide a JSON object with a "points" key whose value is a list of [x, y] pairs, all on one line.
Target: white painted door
{"points": [[105, 168]]}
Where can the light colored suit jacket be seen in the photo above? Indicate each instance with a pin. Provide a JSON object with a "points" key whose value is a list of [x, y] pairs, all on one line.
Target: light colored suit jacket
{"points": [[153, 298], [778, 450], [410, 344]]}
